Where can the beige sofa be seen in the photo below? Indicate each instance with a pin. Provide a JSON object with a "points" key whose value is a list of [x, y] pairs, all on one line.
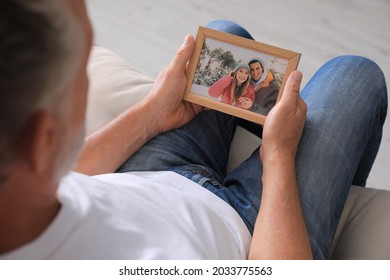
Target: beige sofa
{"points": [[364, 229]]}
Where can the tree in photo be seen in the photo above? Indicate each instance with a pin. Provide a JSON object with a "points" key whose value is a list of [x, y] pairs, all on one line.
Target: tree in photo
{"points": [[213, 64]]}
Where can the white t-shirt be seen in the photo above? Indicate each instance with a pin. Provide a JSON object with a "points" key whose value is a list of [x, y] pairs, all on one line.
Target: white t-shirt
{"points": [[143, 215]]}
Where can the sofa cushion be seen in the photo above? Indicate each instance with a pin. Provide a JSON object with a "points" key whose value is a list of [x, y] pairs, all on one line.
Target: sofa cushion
{"points": [[114, 87], [364, 229]]}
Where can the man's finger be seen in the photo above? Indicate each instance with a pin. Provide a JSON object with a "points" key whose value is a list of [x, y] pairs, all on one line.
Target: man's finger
{"points": [[292, 85], [184, 53]]}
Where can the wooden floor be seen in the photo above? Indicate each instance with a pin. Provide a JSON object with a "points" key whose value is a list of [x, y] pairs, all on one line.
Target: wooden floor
{"points": [[147, 33]]}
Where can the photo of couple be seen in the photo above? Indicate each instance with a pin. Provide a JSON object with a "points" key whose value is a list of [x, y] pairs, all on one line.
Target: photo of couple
{"points": [[251, 86], [238, 76]]}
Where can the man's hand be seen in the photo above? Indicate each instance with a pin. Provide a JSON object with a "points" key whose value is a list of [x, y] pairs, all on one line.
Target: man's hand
{"points": [[166, 98], [284, 124], [280, 230], [161, 110], [245, 102]]}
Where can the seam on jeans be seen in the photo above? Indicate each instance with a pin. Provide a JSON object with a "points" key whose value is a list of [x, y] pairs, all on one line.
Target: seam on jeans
{"points": [[200, 171]]}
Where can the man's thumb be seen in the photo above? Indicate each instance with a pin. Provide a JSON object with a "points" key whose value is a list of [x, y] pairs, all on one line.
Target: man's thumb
{"points": [[292, 85], [184, 53]]}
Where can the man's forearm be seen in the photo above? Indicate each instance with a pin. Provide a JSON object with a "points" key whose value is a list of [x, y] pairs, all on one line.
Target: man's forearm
{"points": [[280, 231], [108, 148]]}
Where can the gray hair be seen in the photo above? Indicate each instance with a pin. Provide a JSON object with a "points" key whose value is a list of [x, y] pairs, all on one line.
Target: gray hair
{"points": [[40, 50]]}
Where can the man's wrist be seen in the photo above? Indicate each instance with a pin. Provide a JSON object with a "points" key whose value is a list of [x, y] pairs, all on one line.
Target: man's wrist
{"points": [[279, 166], [279, 156], [147, 112]]}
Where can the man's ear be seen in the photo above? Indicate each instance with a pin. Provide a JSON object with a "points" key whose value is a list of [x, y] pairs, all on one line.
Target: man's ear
{"points": [[39, 142]]}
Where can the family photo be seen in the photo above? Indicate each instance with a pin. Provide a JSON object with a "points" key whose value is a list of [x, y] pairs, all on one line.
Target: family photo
{"points": [[246, 79]]}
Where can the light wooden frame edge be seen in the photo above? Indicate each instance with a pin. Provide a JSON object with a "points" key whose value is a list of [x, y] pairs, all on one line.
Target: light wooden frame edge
{"points": [[203, 33]]}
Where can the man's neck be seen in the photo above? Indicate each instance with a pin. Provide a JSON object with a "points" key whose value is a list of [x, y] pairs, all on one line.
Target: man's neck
{"points": [[25, 212], [256, 82]]}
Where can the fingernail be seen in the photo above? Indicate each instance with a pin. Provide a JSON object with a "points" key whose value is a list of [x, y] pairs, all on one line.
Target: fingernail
{"points": [[187, 40], [296, 76]]}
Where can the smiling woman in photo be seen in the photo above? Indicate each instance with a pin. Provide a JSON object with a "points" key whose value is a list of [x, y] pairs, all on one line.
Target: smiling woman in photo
{"points": [[235, 89]]}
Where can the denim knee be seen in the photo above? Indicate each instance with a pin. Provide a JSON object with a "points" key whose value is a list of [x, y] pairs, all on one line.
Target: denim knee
{"points": [[229, 26], [373, 71], [351, 70], [373, 74]]}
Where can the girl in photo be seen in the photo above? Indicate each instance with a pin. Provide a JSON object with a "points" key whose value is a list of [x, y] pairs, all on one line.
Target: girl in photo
{"points": [[235, 89]]}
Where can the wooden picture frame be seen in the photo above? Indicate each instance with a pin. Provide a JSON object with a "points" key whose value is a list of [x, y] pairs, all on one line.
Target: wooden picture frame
{"points": [[216, 55]]}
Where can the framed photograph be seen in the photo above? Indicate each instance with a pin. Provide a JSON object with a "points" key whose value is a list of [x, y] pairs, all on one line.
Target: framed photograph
{"points": [[236, 75]]}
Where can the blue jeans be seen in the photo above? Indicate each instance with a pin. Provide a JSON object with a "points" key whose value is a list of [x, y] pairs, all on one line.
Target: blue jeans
{"points": [[347, 105]]}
